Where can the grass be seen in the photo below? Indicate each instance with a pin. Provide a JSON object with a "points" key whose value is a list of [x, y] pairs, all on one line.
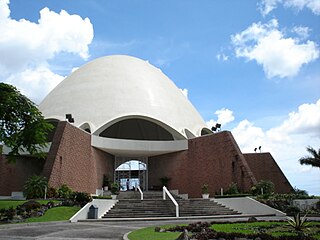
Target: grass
{"points": [[14, 203], [150, 234], [275, 229], [55, 214]]}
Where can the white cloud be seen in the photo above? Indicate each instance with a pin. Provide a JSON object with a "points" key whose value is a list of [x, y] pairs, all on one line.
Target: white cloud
{"points": [[222, 57], [225, 116], [279, 56], [26, 47], [35, 83], [286, 142], [302, 32], [184, 92], [266, 6]]}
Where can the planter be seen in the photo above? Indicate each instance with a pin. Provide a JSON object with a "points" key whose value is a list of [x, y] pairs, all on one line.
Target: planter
{"points": [[113, 196], [205, 195], [106, 188]]}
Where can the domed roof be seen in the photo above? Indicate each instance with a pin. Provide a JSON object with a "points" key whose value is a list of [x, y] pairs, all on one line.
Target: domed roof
{"points": [[122, 88]]}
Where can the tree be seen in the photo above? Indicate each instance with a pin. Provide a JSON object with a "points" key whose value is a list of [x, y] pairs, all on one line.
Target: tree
{"points": [[22, 126], [313, 160]]}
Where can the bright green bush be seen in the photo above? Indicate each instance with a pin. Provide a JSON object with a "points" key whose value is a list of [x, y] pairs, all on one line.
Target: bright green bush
{"points": [[64, 191], [264, 187]]}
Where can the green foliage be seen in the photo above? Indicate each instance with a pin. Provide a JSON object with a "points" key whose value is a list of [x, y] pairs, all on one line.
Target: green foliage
{"points": [[22, 127], [313, 160], [205, 189], [164, 181], [64, 191], [81, 198], [297, 222], [233, 189], [35, 187], [101, 197], [114, 188], [264, 186], [52, 192]]}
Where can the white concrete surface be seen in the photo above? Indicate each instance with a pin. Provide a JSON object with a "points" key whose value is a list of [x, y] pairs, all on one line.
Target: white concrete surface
{"points": [[305, 204], [114, 88], [247, 205], [103, 206], [137, 148]]}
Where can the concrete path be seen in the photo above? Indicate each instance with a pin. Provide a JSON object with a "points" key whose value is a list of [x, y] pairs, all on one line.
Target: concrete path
{"points": [[85, 230]]}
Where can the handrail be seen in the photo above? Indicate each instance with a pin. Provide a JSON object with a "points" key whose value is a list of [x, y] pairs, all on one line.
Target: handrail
{"points": [[166, 191], [141, 193]]}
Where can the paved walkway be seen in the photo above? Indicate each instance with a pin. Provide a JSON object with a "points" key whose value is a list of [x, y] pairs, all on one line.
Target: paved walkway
{"points": [[85, 230]]}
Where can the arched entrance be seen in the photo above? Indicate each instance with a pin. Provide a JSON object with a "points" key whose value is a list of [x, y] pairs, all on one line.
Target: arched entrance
{"points": [[132, 171]]}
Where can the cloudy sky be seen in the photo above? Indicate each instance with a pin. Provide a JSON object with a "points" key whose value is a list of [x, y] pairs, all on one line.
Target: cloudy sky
{"points": [[253, 66]]}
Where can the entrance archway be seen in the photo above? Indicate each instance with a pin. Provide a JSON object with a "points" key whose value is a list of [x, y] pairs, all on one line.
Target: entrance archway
{"points": [[132, 172]]}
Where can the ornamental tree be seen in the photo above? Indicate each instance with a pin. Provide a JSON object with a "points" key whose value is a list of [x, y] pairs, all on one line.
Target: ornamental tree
{"points": [[22, 126]]}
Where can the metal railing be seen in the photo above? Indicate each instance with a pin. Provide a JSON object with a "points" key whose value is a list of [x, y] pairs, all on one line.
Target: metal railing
{"points": [[141, 193], [166, 192]]}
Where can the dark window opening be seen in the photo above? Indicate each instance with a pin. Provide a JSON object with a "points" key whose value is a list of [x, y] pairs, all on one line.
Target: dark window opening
{"points": [[137, 129]]}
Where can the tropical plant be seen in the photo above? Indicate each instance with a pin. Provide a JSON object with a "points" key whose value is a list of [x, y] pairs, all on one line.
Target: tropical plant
{"points": [[233, 189], [22, 126], [264, 187], [205, 189], [64, 191], [81, 198], [35, 187], [164, 181], [297, 222], [114, 188], [313, 160]]}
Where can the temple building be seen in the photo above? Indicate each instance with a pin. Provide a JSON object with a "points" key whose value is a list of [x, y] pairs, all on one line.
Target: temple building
{"points": [[121, 117]]}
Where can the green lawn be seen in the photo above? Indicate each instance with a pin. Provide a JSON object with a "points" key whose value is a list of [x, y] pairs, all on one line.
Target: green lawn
{"points": [[55, 214], [273, 228], [14, 203], [150, 234]]}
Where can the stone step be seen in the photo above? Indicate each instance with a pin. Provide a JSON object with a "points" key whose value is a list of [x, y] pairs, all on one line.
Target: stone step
{"points": [[134, 208]]}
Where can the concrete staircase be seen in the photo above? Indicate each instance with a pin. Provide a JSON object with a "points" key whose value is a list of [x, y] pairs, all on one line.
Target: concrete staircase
{"points": [[129, 206]]}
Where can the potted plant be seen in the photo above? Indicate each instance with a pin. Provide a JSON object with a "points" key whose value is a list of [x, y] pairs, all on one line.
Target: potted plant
{"points": [[114, 190], [205, 191], [164, 181], [106, 182]]}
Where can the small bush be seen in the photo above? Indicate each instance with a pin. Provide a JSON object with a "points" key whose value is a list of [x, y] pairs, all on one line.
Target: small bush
{"points": [[263, 187], [52, 193], [81, 198], [64, 191], [233, 189], [35, 187]]}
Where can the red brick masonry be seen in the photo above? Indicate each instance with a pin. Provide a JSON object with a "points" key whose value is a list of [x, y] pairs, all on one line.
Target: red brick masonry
{"points": [[213, 159]]}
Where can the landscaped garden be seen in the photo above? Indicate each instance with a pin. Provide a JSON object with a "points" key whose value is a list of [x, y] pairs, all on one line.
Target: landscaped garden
{"points": [[230, 231], [62, 203]]}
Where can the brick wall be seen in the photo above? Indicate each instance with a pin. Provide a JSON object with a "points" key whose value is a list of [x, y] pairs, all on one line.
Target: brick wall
{"points": [[264, 167], [14, 175], [208, 160]]}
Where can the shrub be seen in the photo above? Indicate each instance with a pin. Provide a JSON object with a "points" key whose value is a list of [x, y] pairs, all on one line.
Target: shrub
{"points": [[52, 193], [263, 187], [64, 191], [114, 188], [233, 189], [35, 187], [205, 189], [81, 198]]}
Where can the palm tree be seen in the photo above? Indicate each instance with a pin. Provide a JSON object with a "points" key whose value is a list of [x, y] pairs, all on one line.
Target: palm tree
{"points": [[313, 160]]}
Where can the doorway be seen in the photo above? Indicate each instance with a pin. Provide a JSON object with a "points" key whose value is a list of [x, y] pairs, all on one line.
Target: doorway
{"points": [[131, 172]]}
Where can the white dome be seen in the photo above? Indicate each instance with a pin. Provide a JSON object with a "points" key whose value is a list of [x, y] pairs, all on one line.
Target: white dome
{"points": [[119, 88]]}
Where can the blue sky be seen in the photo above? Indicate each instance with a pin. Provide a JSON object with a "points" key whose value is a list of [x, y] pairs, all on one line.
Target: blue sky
{"points": [[253, 66]]}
